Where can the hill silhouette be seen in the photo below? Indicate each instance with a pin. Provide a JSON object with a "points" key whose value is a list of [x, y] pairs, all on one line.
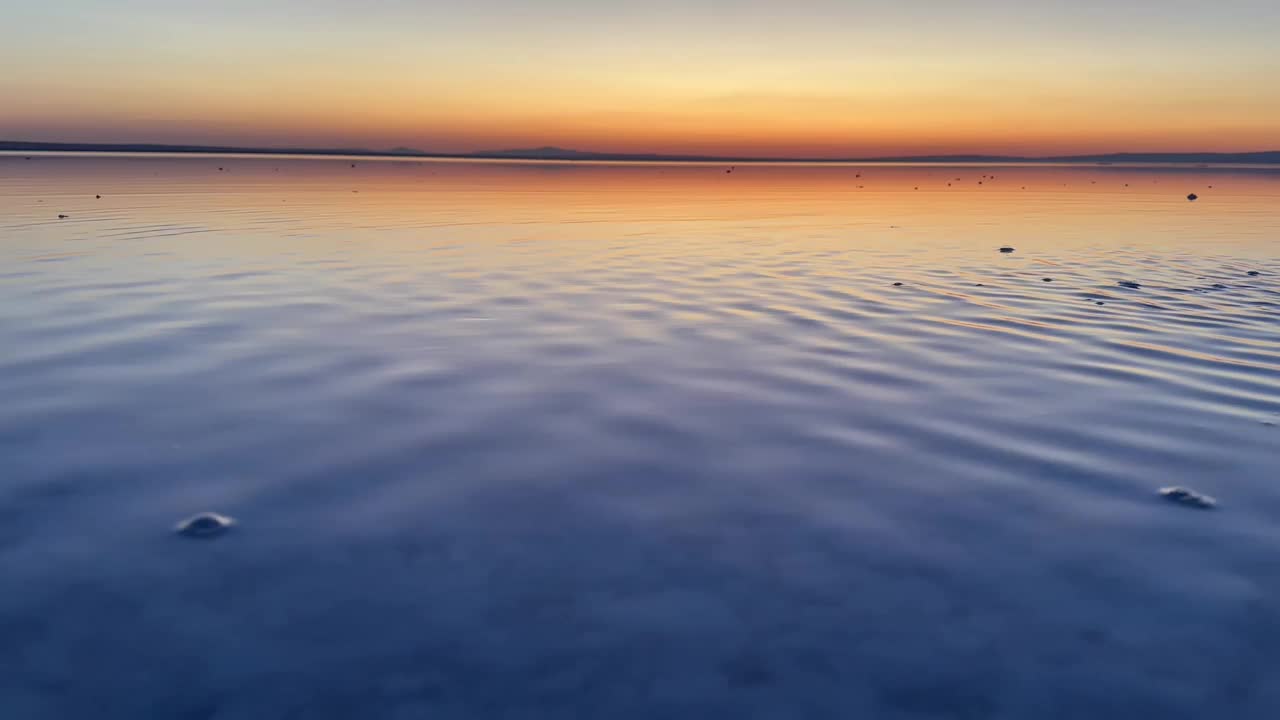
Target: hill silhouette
{"points": [[1268, 157]]}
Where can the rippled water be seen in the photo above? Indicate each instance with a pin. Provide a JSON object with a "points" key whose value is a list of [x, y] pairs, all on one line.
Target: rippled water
{"points": [[572, 440]]}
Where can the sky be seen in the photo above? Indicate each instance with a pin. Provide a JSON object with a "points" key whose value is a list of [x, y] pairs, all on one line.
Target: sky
{"points": [[806, 78]]}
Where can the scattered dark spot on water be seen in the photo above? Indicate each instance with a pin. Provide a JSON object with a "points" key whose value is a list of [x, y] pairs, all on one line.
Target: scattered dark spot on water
{"points": [[897, 284], [1219, 286], [97, 197], [1192, 196], [62, 217], [978, 285], [1189, 498], [1099, 302], [1095, 636], [746, 671], [1006, 249], [1253, 273], [958, 698], [1047, 279], [205, 525], [1130, 284]]}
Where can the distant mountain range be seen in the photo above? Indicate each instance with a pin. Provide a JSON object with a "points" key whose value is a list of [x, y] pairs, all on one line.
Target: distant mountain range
{"points": [[1270, 157]]}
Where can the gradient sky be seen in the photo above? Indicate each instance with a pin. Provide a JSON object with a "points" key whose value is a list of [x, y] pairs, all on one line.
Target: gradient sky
{"points": [[811, 77]]}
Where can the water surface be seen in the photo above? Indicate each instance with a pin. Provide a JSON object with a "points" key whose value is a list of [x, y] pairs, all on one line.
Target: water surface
{"points": [[551, 440]]}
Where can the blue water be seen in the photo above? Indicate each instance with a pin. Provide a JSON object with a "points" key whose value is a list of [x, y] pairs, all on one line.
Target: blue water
{"points": [[567, 441]]}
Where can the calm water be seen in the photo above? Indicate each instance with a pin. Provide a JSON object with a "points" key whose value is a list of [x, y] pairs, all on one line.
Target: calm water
{"points": [[556, 440]]}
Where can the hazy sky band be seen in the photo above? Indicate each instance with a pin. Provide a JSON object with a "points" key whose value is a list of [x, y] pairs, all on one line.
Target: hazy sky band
{"points": [[809, 78]]}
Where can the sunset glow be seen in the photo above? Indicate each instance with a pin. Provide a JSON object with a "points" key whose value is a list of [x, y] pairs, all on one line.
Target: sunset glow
{"points": [[823, 79]]}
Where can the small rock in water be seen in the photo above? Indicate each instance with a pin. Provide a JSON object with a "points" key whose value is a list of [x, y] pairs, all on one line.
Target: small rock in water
{"points": [[1006, 249], [1129, 284], [204, 525], [1192, 197], [1189, 498]]}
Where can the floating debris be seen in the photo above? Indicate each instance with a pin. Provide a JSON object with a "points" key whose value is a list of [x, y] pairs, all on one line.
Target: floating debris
{"points": [[204, 525], [63, 217], [1047, 279], [1129, 284], [1098, 302], [97, 197], [1187, 497], [897, 284], [1253, 273], [1192, 197], [1006, 249]]}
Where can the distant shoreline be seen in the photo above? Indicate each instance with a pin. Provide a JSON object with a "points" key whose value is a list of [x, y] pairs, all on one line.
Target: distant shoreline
{"points": [[1269, 157]]}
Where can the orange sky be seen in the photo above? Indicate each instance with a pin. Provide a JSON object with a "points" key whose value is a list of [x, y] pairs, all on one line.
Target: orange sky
{"points": [[820, 79]]}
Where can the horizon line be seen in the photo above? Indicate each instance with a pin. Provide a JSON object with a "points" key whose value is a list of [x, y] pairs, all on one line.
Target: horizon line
{"points": [[565, 154]]}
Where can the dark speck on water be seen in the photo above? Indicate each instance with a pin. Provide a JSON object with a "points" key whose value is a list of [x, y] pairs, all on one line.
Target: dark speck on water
{"points": [[63, 217], [1253, 273], [204, 525], [897, 284], [1192, 196], [1188, 498], [1047, 279], [1129, 284], [1006, 249]]}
